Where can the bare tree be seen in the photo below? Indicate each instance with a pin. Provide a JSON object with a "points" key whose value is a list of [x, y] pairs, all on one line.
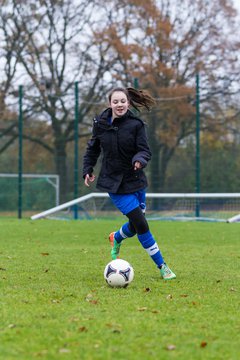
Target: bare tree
{"points": [[165, 44], [57, 48], [10, 39], [54, 44]]}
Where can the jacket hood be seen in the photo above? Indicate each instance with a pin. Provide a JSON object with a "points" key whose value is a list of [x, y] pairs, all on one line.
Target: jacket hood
{"points": [[107, 114]]}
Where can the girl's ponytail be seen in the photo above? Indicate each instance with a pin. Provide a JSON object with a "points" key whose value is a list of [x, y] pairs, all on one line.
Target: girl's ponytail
{"points": [[140, 98]]}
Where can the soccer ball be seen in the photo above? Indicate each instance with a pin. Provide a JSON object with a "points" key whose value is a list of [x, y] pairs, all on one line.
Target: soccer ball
{"points": [[118, 273]]}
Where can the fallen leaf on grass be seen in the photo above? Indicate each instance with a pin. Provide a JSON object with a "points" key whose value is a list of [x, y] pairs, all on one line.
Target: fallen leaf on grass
{"points": [[233, 289], [41, 353], [203, 344], [64, 351], [55, 301], [142, 308], [45, 254], [84, 251], [155, 311], [184, 295], [170, 347], [147, 289], [94, 302], [89, 297], [169, 297], [116, 328], [2, 269], [12, 326], [82, 329], [25, 301]]}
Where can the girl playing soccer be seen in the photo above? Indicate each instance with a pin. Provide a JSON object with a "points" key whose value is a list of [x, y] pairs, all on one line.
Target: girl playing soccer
{"points": [[120, 135]]}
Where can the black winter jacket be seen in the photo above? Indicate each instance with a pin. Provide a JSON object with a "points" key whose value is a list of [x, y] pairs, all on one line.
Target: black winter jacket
{"points": [[122, 143]]}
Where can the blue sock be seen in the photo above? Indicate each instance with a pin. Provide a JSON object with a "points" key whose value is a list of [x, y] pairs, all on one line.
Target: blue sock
{"points": [[151, 247], [123, 233]]}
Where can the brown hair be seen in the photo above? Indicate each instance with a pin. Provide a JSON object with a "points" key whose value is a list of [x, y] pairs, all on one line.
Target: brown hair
{"points": [[136, 98]]}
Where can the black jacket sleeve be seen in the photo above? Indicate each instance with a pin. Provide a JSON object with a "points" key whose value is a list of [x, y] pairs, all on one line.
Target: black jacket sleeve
{"points": [[92, 153]]}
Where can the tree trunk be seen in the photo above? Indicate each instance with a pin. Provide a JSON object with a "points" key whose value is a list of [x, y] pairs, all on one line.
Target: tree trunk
{"points": [[166, 155]]}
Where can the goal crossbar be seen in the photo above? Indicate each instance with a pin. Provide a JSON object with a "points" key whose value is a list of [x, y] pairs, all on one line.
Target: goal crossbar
{"points": [[148, 195]]}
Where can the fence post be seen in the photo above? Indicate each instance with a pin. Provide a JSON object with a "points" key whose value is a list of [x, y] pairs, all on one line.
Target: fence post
{"points": [[20, 125], [76, 151], [198, 185], [136, 83]]}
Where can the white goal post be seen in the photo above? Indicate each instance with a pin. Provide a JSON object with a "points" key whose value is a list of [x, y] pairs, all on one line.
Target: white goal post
{"points": [[68, 204], [225, 205], [233, 219]]}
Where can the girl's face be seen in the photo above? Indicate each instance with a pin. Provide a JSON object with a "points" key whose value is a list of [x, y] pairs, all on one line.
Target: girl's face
{"points": [[119, 104]]}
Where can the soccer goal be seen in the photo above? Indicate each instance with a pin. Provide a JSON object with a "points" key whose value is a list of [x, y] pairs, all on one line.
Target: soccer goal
{"points": [[224, 207], [38, 191]]}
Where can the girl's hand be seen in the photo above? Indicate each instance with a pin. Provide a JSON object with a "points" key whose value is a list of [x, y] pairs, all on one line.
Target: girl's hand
{"points": [[89, 178], [137, 165]]}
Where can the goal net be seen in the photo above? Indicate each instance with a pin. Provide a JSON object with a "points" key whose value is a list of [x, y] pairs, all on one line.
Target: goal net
{"points": [[183, 207], [39, 191]]}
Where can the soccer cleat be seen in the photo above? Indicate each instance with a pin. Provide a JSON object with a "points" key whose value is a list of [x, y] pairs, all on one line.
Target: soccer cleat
{"points": [[167, 273], [111, 238], [115, 247]]}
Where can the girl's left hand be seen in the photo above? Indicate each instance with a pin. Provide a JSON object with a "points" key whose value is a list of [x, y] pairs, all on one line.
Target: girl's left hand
{"points": [[89, 177], [137, 165]]}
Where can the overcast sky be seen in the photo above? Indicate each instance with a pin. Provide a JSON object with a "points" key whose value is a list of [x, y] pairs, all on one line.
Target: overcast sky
{"points": [[237, 5]]}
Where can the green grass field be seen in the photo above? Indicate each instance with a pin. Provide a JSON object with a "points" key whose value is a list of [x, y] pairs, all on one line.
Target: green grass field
{"points": [[55, 303]]}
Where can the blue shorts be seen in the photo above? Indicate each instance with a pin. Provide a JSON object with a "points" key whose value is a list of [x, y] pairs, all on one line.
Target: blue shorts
{"points": [[128, 202]]}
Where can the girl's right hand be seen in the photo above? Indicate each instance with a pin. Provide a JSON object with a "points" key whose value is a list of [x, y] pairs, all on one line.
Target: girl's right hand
{"points": [[89, 178]]}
